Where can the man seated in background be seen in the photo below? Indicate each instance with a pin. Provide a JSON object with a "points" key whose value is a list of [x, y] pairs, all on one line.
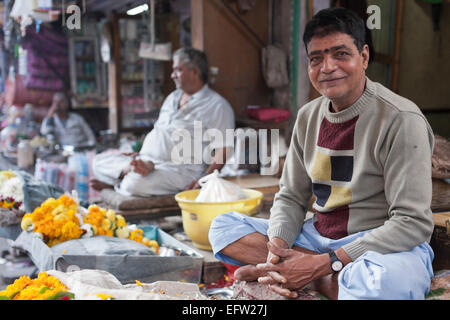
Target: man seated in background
{"points": [[152, 171], [67, 128]]}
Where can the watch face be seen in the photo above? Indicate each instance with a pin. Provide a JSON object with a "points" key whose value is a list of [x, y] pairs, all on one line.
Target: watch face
{"points": [[336, 266]]}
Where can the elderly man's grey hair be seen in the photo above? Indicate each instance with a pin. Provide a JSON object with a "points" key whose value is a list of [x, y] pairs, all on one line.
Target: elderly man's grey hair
{"points": [[194, 58]]}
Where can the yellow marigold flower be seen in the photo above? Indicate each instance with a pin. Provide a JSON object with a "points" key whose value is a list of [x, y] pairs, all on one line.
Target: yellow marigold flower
{"points": [[106, 224], [136, 235], [27, 223], [58, 210], [48, 202], [122, 232], [101, 231], [7, 205], [28, 215], [93, 207], [17, 286], [94, 217], [62, 217], [43, 287], [153, 244], [120, 221], [111, 215], [70, 231]]}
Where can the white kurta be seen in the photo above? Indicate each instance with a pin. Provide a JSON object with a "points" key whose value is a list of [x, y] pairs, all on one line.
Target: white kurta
{"points": [[205, 110], [73, 132]]}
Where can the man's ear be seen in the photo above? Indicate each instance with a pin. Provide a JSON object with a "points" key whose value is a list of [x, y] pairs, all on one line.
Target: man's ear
{"points": [[196, 72], [365, 53]]}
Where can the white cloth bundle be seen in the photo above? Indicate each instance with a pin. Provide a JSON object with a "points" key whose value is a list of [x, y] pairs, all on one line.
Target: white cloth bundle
{"points": [[87, 284]]}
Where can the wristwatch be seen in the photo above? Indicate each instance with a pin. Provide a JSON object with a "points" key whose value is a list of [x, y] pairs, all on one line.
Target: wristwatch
{"points": [[336, 264]]}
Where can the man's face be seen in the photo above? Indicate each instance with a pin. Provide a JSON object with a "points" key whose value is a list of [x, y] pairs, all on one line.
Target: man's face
{"points": [[336, 68], [61, 104], [182, 75]]}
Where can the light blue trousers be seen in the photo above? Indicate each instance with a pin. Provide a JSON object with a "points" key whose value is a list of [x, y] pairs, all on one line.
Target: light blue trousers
{"points": [[395, 276]]}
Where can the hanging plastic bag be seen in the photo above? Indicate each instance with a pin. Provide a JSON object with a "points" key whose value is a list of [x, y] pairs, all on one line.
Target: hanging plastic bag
{"points": [[274, 62], [216, 189]]}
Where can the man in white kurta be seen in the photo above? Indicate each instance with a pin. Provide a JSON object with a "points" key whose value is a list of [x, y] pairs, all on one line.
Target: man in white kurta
{"points": [[173, 154], [68, 128]]}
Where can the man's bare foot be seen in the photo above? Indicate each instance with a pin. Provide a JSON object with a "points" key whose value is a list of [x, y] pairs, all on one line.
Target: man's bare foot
{"points": [[98, 185], [248, 273]]}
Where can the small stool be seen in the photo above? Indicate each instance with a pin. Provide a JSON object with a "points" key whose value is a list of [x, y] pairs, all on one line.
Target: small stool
{"points": [[135, 208]]}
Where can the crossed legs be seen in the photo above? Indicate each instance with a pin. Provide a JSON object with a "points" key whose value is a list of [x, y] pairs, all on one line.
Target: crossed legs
{"points": [[252, 250]]}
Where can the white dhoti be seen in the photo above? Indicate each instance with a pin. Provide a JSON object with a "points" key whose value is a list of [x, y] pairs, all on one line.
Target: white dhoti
{"points": [[166, 178], [175, 128]]}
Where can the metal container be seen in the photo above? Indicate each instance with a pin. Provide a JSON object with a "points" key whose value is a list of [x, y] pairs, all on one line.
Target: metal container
{"points": [[186, 267]]}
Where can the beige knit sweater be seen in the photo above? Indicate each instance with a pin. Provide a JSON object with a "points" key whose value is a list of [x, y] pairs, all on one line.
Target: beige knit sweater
{"points": [[369, 168]]}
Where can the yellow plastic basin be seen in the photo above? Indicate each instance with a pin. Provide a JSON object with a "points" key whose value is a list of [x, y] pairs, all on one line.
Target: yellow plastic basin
{"points": [[197, 216]]}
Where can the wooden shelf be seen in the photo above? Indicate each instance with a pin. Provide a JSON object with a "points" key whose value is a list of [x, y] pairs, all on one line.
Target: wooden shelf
{"points": [[116, 74]]}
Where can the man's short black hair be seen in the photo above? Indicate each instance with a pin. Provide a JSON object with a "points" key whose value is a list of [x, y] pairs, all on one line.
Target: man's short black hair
{"points": [[332, 20]]}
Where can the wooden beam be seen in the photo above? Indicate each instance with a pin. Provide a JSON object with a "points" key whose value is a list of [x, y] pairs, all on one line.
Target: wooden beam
{"points": [[397, 43], [197, 25], [114, 75]]}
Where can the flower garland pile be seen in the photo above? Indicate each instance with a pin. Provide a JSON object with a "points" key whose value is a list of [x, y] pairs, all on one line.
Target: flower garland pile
{"points": [[11, 191], [108, 223], [59, 220], [44, 287], [55, 220]]}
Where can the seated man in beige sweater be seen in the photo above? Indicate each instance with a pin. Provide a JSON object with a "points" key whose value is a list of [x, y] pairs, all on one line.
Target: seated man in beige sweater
{"points": [[365, 154]]}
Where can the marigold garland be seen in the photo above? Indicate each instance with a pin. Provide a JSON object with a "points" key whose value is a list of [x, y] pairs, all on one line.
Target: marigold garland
{"points": [[55, 219], [44, 287], [107, 222], [58, 221]]}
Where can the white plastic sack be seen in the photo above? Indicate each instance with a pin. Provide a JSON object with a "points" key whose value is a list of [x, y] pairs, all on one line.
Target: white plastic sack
{"points": [[216, 189], [87, 284]]}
